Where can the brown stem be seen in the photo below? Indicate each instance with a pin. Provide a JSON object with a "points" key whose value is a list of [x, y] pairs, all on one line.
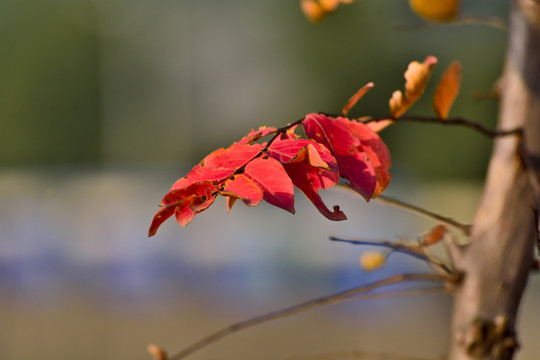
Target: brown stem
{"points": [[303, 307], [449, 221], [357, 354], [456, 121], [415, 251]]}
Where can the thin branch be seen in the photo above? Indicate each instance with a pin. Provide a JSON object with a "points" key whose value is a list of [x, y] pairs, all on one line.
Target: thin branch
{"points": [[357, 354], [278, 132], [449, 221], [435, 290], [303, 307], [494, 22], [395, 246], [415, 251], [456, 121]]}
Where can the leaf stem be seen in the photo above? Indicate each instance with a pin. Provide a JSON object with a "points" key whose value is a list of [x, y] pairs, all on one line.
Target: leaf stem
{"points": [[303, 307]]}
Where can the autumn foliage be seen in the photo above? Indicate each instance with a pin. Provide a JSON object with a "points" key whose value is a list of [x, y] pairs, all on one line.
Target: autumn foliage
{"points": [[334, 147]]}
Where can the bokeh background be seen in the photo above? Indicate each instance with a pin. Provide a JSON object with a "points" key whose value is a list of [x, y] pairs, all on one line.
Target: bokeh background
{"points": [[104, 104]]}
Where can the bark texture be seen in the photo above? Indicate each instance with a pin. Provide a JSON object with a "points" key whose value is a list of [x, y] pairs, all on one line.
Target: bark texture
{"points": [[497, 262]]}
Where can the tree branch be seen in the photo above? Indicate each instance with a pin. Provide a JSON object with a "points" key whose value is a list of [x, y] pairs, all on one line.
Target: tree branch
{"points": [[435, 290], [357, 354], [449, 221], [415, 251], [303, 307], [456, 121]]}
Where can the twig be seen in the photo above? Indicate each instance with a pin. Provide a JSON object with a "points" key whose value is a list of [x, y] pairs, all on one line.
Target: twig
{"points": [[303, 307], [356, 354], [278, 132], [415, 251], [436, 290], [449, 221], [467, 20], [456, 121]]}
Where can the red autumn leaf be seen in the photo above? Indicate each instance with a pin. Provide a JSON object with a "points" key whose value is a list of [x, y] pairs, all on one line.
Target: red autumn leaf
{"points": [[447, 90], [159, 218], [311, 167], [376, 151], [346, 146], [255, 135], [357, 96], [184, 203], [274, 182], [308, 176], [416, 78], [220, 164], [195, 192], [243, 188], [285, 150]]}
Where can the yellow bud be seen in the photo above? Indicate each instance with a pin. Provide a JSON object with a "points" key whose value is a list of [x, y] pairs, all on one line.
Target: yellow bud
{"points": [[372, 260], [436, 10]]}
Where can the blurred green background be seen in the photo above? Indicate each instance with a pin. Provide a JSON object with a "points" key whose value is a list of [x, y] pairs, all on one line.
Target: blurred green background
{"points": [[104, 104], [98, 82]]}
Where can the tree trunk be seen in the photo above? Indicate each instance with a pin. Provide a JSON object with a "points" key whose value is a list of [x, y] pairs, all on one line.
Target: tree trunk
{"points": [[497, 262]]}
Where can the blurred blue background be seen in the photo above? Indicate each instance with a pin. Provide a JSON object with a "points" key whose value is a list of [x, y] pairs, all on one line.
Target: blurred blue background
{"points": [[104, 104]]}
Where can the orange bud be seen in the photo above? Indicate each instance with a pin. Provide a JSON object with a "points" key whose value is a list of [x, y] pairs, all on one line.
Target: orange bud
{"points": [[434, 236], [435, 10], [313, 11], [156, 352]]}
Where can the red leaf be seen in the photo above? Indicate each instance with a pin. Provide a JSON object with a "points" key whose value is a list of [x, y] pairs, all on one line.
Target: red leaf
{"points": [[159, 218], [220, 164], [243, 188], [274, 182], [311, 167], [287, 150], [353, 161], [310, 178], [184, 203], [255, 135], [376, 151]]}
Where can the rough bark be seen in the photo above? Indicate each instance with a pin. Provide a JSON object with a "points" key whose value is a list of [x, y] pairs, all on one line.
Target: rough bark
{"points": [[497, 262]]}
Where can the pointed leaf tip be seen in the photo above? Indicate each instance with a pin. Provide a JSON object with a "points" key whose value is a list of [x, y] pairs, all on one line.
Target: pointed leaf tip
{"points": [[357, 96], [159, 218]]}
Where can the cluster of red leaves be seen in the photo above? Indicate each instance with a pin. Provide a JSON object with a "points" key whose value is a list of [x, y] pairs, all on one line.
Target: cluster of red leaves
{"points": [[336, 147], [249, 171]]}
